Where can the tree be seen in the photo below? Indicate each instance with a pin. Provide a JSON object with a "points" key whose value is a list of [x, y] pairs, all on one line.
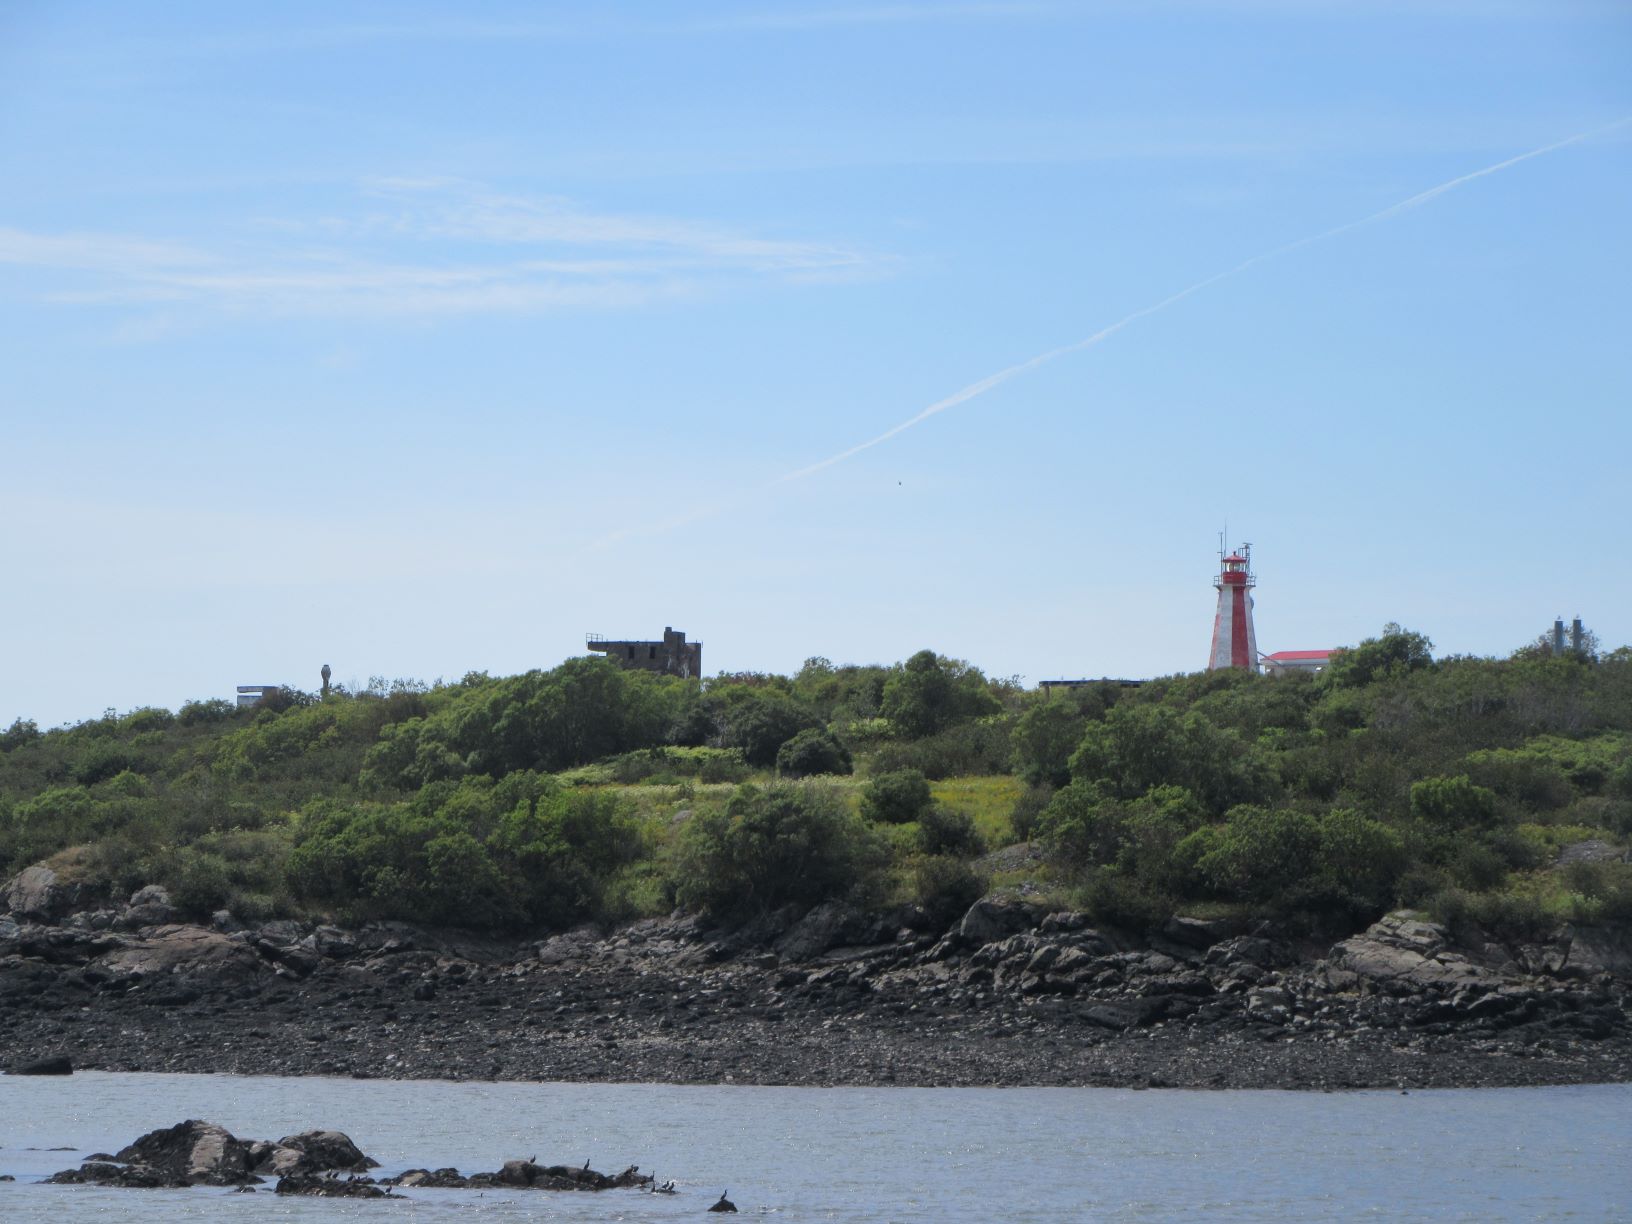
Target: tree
{"points": [[1044, 738], [760, 721], [947, 831], [1397, 652], [1086, 826], [1360, 857], [812, 752], [895, 798], [22, 731], [768, 848], [930, 693], [1136, 747], [1257, 854]]}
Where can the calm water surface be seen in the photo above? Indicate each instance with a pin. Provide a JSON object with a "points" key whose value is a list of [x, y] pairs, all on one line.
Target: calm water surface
{"points": [[859, 1154]]}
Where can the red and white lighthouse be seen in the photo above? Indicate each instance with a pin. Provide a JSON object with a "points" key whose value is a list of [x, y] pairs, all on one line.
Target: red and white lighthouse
{"points": [[1234, 644]]}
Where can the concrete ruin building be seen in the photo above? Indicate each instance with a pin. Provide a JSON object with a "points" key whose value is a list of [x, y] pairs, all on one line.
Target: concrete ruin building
{"points": [[254, 694], [673, 656]]}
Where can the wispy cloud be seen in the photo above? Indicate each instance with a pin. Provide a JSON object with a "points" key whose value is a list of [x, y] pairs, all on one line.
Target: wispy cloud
{"points": [[979, 388], [986, 384], [425, 247]]}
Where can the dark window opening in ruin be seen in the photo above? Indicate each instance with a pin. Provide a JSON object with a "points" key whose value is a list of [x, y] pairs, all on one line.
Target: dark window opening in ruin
{"points": [[631, 652], [651, 652]]}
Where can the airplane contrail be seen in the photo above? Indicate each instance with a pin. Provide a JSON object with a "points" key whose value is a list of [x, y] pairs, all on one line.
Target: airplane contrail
{"points": [[1002, 376]]}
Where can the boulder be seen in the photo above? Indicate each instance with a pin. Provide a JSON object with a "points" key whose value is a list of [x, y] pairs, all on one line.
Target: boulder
{"points": [[1400, 951], [829, 925], [434, 1179], [1063, 921], [36, 892], [334, 943], [197, 1153], [181, 949], [329, 1187], [1243, 949], [309, 1152], [992, 919], [106, 1173], [1600, 950], [1198, 933], [149, 906], [60, 1065]]}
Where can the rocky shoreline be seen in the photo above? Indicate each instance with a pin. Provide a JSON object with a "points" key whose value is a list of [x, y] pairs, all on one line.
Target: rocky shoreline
{"points": [[1009, 996]]}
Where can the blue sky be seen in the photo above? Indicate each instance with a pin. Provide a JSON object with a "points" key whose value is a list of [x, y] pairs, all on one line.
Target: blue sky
{"points": [[418, 339]]}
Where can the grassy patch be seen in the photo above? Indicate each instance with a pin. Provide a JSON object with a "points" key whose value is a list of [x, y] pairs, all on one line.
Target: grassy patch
{"points": [[989, 800]]}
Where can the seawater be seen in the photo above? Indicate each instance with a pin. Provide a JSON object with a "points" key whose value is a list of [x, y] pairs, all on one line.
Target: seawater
{"points": [[864, 1154]]}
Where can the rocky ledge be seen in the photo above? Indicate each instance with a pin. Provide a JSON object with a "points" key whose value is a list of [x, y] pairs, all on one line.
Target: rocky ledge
{"points": [[1009, 995]]}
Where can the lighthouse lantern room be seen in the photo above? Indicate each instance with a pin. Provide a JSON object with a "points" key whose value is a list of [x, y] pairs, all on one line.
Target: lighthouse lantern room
{"points": [[1234, 644]]}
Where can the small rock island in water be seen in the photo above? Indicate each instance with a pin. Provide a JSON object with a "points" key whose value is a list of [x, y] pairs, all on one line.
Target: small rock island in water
{"points": [[321, 1163]]}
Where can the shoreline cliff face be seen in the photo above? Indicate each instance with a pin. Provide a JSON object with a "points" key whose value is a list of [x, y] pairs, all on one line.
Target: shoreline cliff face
{"points": [[1010, 996]]}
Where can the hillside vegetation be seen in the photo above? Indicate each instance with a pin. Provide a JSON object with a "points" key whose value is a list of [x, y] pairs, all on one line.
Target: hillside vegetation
{"points": [[589, 793]]}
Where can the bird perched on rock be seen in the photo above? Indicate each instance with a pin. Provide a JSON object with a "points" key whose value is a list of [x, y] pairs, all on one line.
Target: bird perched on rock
{"points": [[724, 1204]]}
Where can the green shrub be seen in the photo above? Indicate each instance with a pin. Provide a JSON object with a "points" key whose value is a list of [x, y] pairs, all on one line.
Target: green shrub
{"points": [[1604, 890], [1085, 826], [895, 798], [1135, 748], [1505, 915], [930, 693], [758, 721], [964, 750], [1476, 865], [1044, 738], [945, 831], [204, 713], [766, 848], [1524, 777], [1360, 857], [22, 731], [722, 767], [946, 887], [1257, 854], [810, 753], [1027, 809], [1115, 900], [1395, 654], [1453, 803]]}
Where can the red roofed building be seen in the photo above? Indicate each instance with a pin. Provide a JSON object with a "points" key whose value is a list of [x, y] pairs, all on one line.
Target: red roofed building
{"points": [[1285, 661]]}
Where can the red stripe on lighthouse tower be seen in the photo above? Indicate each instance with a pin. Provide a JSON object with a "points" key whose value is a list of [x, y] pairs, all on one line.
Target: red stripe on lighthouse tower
{"points": [[1234, 643]]}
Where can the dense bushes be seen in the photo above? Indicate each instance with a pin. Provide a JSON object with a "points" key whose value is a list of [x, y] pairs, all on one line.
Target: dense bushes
{"points": [[895, 798], [1137, 747], [812, 752], [931, 693], [947, 831], [774, 846], [479, 854], [495, 803]]}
